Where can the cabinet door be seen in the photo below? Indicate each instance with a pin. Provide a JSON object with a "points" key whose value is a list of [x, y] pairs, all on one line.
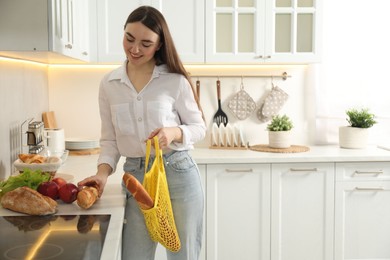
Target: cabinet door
{"points": [[161, 251], [238, 211], [302, 211], [185, 19], [293, 31], [71, 19], [235, 31], [362, 226]]}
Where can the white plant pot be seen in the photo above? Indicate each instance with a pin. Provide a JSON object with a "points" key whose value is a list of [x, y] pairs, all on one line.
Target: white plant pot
{"points": [[279, 139], [353, 137]]}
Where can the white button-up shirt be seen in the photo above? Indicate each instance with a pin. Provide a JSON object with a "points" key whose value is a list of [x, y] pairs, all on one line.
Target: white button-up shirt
{"points": [[128, 117]]}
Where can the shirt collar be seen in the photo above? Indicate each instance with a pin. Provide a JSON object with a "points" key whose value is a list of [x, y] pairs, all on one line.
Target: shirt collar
{"points": [[121, 73]]}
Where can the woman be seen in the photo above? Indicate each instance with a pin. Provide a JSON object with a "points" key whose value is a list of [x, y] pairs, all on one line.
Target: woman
{"points": [[151, 95]]}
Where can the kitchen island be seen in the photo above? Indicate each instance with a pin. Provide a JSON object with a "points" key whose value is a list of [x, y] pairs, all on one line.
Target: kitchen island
{"points": [[309, 194]]}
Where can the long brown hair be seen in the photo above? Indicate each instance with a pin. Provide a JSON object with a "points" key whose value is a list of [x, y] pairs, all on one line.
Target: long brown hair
{"points": [[167, 54]]}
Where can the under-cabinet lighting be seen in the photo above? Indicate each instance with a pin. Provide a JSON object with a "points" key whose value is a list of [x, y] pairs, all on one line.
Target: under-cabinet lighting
{"points": [[23, 61]]}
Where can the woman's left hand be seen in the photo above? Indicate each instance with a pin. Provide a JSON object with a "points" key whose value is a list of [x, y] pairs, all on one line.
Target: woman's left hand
{"points": [[166, 135]]}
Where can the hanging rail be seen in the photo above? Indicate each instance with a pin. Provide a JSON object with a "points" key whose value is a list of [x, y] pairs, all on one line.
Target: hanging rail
{"points": [[284, 75]]}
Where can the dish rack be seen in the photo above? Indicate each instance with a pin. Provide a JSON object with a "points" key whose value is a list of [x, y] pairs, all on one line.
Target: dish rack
{"points": [[221, 138]]}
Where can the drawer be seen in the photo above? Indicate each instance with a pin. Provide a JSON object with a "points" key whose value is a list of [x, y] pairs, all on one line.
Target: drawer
{"points": [[364, 171]]}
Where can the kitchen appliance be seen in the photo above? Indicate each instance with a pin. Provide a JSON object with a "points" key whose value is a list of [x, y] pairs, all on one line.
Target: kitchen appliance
{"points": [[53, 237], [35, 137], [54, 140]]}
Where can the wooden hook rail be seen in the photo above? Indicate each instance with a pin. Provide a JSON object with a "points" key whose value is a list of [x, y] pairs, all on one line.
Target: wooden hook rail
{"points": [[283, 76]]}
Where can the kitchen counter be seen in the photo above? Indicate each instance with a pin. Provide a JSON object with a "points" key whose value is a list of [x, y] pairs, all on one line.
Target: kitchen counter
{"points": [[113, 200], [326, 153]]}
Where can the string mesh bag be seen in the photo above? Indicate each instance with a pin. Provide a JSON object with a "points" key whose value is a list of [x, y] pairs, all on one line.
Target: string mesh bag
{"points": [[159, 220]]}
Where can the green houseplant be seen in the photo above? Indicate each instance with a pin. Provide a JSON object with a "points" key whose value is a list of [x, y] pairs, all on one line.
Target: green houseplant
{"points": [[279, 131], [361, 118], [280, 123], [355, 135]]}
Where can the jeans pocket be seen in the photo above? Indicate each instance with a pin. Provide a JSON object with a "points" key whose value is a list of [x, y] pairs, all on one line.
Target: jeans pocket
{"points": [[180, 161]]}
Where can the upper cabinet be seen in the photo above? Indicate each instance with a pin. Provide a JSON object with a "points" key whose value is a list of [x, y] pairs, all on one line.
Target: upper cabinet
{"points": [[259, 31], [185, 19], [72, 28], [44, 29], [204, 32]]}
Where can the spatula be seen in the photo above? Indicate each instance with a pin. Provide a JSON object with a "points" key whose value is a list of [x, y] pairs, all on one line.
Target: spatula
{"points": [[220, 116]]}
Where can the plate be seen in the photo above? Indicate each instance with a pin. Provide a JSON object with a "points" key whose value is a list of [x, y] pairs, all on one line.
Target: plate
{"points": [[80, 144]]}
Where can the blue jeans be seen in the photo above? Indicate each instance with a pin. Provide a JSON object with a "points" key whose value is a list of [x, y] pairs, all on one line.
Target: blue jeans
{"points": [[187, 199]]}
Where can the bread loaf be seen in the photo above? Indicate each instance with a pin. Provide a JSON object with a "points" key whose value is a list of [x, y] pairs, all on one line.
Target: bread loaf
{"points": [[28, 201], [87, 196], [138, 191]]}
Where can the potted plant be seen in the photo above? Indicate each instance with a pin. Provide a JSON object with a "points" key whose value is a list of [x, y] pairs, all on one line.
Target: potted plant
{"points": [[355, 135], [279, 131]]}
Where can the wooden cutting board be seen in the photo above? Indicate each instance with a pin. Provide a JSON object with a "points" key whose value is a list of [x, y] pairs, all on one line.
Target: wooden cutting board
{"points": [[49, 120], [85, 151]]}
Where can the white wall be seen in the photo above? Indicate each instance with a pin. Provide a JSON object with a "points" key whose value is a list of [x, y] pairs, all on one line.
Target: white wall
{"points": [[73, 96], [23, 95]]}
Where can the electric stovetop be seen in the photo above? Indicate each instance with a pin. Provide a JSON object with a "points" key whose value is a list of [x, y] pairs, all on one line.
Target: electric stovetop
{"points": [[52, 237]]}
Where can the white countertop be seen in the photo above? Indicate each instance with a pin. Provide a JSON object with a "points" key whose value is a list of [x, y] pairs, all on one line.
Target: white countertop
{"points": [[113, 199], [112, 202], [326, 153]]}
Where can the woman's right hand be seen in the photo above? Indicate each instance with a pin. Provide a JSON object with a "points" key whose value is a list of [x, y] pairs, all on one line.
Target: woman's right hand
{"points": [[99, 180]]}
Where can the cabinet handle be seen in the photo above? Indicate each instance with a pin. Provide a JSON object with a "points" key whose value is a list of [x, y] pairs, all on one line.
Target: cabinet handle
{"points": [[68, 46], [303, 170], [268, 57], [239, 170], [84, 53], [369, 188], [369, 172], [259, 57]]}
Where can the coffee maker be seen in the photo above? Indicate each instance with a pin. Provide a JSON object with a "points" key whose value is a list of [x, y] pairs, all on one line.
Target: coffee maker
{"points": [[35, 137]]}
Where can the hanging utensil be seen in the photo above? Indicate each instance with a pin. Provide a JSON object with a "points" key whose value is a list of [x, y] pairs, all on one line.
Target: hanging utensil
{"points": [[198, 89], [220, 116]]}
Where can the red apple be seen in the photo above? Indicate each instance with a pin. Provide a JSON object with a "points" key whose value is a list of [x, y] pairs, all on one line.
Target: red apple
{"points": [[68, 192], [60, 181], [49, 188]]}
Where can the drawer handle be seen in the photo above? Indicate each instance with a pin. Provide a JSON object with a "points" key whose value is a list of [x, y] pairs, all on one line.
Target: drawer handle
{"points": [[238, 170], [304, 170], [369, 188], [369, 172]]}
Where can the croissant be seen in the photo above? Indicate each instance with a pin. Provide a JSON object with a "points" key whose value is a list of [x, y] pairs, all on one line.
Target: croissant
{"points": [[31, 158], [28, 201]]}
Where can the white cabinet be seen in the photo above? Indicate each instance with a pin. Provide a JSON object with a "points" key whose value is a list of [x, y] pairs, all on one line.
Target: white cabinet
{"points": [[72, 27], [257, 31], [161, 251], [40, 30], [238, 211], [185, 19], [302, 211], [362, 226]]}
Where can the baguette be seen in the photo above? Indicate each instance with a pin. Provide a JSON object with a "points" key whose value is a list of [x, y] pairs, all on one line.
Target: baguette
{"points": [[28, 201], [138, 191], [87, 196]]}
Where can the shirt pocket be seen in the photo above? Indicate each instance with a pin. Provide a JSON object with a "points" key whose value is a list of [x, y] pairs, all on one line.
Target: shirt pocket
{"points": [[160, 114], [123, 119]]}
